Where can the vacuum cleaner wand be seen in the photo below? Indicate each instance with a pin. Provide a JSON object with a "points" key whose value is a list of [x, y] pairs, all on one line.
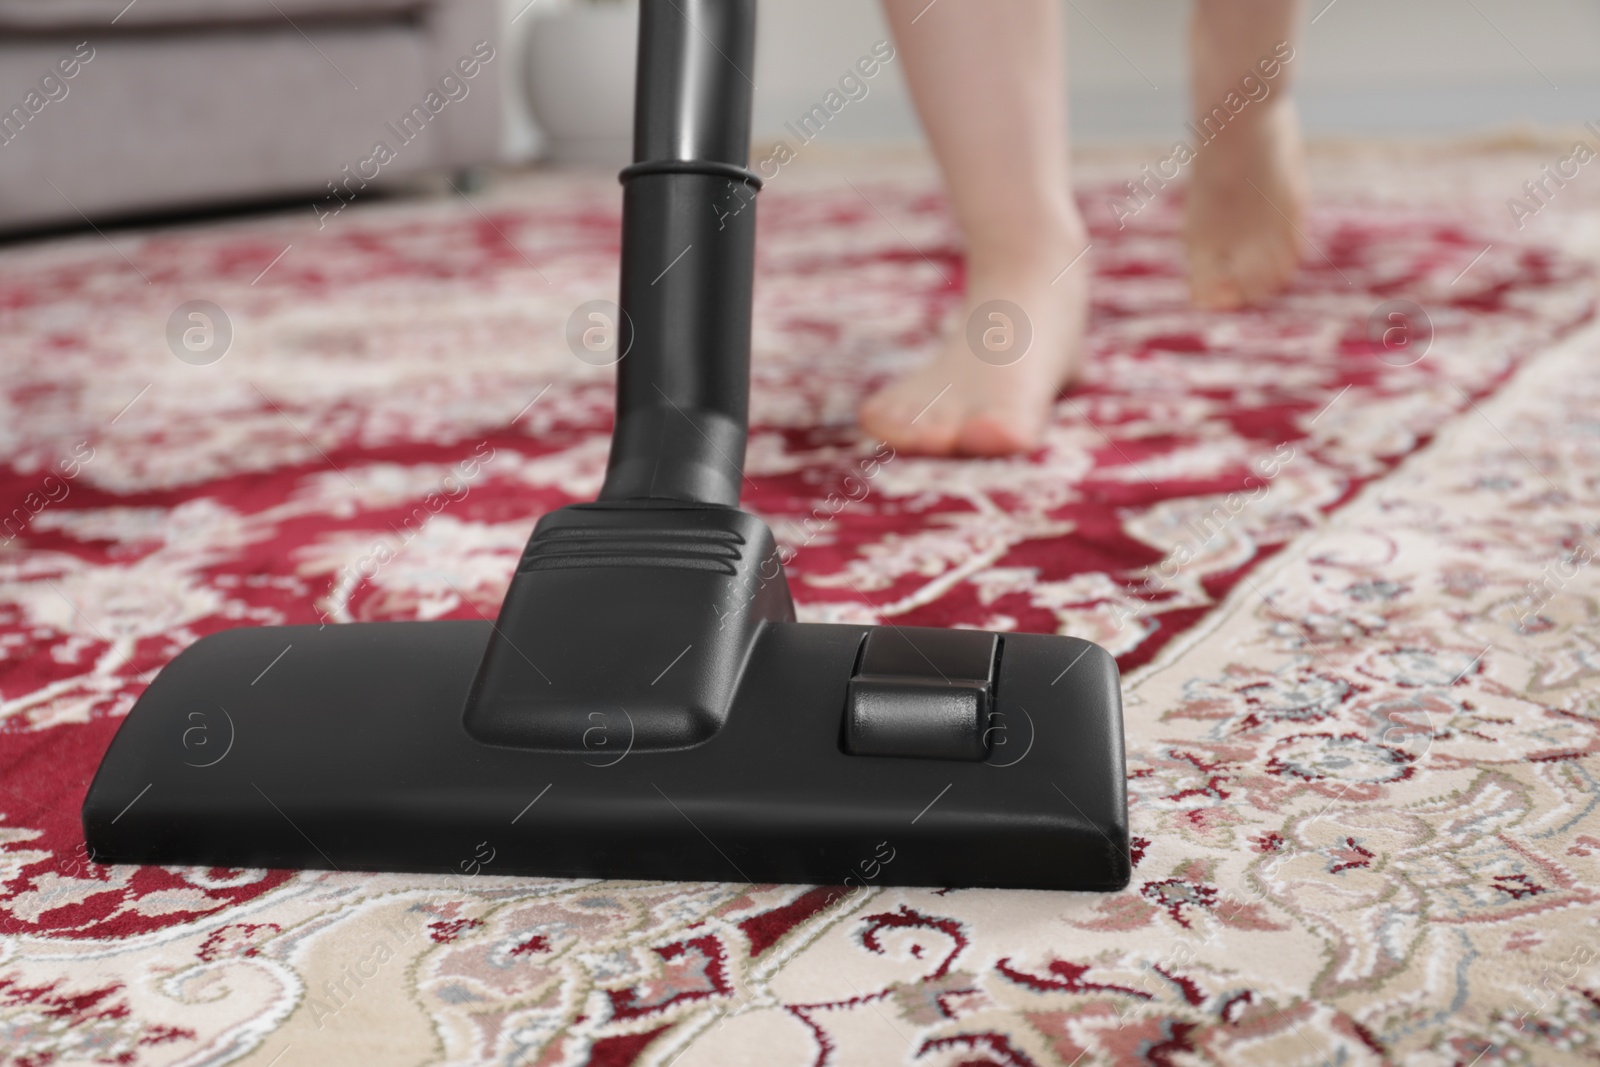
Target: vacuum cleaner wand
{"points": [[688, 259], [645, 705]]}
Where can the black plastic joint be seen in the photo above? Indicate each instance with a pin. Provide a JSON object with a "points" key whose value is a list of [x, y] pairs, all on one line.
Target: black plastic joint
{"points": [[731, 171], [922, 693]]}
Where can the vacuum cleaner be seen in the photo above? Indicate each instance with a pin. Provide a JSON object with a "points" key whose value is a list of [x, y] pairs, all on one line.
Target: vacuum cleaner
{"points": [[645, 706]]}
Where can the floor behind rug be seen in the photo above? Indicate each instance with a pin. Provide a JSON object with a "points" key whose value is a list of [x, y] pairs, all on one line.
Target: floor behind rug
{"points": [[1361, 786]]}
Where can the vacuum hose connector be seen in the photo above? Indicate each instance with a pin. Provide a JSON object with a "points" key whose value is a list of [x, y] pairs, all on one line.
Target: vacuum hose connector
{"points": [[688, 258]]}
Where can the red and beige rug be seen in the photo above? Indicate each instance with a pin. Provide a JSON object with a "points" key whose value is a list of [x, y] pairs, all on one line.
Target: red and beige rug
{"points": [[1349, 588]]}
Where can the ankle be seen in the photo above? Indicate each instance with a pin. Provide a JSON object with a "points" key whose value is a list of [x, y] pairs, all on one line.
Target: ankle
{"points": [[1256, 120], [1251, 146], [1054, 240]]}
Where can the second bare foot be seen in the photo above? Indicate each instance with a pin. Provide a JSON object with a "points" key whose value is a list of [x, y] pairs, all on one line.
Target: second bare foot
{"points": [[1246, 198]]}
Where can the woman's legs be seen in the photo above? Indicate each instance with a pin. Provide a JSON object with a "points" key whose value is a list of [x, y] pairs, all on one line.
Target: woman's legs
{"points": [[989, 80], [1247, 187]]}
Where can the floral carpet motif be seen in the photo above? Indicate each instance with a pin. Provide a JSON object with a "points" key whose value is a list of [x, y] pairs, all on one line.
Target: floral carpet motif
{"points": [[1349, 587]]}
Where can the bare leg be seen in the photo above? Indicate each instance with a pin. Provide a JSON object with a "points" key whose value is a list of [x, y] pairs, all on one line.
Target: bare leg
{"points": [[1247, 189], [989, 81]]}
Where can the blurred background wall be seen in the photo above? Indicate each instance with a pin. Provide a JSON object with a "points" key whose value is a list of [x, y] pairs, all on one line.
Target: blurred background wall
{"points": [[198, 104], [1372, 67]]}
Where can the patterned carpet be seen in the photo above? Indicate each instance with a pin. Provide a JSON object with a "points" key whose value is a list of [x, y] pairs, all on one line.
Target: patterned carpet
{"points": [[1349, 589]]}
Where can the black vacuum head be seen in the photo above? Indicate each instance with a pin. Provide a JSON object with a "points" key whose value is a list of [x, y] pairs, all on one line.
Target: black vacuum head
{"points": [[631, 718], [645, 705]]}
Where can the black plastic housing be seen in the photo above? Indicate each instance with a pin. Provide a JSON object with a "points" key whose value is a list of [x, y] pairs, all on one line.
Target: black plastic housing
{"points": [[928, 698], [350, 753], [683, 388], [644, 706], [641, 611]]}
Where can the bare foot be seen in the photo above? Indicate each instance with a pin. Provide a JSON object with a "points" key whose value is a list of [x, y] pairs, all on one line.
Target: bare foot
{"points": [[1245, 201], [991, 388]]}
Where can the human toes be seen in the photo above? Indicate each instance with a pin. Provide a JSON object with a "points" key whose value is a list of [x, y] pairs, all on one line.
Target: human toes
{"points": [[988, 434], [1212, 284], [1262, 268], [902, 416]]}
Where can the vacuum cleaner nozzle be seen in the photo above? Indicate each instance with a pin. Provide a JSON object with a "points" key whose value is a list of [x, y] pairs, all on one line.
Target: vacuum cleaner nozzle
{"points": [[645, 705], [643, 708]]}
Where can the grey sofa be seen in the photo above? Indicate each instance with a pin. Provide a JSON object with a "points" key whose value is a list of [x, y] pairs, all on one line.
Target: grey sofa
{"points": [[109, 108]]}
